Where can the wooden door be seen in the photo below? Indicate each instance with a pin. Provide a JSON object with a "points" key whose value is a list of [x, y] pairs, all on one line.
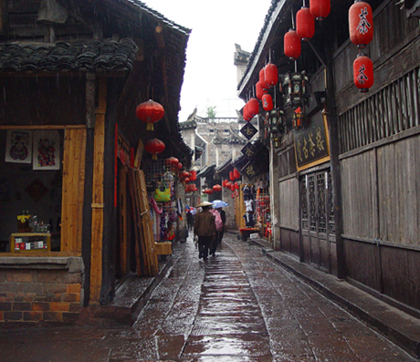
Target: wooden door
{"points": [[317, 219]]}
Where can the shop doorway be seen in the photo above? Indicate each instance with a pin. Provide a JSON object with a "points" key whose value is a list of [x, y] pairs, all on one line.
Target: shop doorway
{"points": [[317, 219]]}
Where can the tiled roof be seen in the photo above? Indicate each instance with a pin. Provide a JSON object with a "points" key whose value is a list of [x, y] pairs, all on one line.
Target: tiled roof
{"points": [[91, 55]]}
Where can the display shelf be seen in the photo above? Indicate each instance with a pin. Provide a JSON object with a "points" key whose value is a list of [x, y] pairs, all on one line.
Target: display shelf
{"points": [[30, 242]]}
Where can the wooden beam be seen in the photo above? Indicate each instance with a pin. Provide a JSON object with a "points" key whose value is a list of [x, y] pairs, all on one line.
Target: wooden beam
{"points": [[73, 190], [98, 195]]}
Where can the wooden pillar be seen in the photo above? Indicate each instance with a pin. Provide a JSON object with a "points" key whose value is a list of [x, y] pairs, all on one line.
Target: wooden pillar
{"points": [[98, 196], [335, 164]]}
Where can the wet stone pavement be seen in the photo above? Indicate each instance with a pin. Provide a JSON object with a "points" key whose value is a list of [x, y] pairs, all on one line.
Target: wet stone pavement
{"points": [[236, 306]]}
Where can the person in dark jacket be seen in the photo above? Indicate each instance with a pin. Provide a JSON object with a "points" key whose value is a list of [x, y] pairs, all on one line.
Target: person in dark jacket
{"points": [[219, 234], [205, 229]]}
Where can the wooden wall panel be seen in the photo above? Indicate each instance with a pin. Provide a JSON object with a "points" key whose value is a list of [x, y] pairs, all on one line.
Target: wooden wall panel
{"points": [[358, 178], [73, 190], [396, 274], [362, 263], [399, 191], [289, 205]]}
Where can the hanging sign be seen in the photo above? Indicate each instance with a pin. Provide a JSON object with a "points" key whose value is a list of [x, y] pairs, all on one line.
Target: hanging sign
{"points": [[248, 131], [249, 150], [311, 143], [250, 170]]}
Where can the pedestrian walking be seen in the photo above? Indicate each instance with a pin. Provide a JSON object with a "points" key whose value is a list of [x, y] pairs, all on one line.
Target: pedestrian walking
{"points": [[204, 229], [219, 228], [219, 234], [190, 220]]}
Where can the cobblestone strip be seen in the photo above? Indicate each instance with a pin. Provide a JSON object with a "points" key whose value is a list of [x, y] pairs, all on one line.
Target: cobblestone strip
{"points": [[302, 324]]}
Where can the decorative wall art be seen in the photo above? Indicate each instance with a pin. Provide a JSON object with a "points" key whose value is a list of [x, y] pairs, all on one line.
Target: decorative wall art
{"points": [[19, 146], [46, 154]]}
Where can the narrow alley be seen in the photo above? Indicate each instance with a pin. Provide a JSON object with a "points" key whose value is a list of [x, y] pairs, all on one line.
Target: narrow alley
{"points": [[237, 306]]}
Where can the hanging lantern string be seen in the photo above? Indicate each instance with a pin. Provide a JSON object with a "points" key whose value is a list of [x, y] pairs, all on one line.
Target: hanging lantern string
{"points": [[304, 3], [293, 19]]}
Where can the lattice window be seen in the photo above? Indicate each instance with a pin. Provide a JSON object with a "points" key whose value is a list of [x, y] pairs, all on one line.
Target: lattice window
{"points": [[322, 217], [392, 110], [331, 219], [304, 204], [312, 204]]}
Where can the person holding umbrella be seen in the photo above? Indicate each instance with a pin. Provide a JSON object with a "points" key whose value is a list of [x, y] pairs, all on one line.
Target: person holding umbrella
{"points": [[205, 229], [219, 204]]}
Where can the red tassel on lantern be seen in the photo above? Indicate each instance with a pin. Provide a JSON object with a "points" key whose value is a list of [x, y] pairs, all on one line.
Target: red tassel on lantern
{"points": [[150, 112], [363, 73], [154, 146], [305, 23], [271, 74], [253, 106], [320, 9], [267, 102], [292, 46], [361, 24]]}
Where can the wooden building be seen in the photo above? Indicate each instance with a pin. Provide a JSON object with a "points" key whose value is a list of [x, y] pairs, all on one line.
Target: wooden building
{"points": [[72, 74], [345, 192]]}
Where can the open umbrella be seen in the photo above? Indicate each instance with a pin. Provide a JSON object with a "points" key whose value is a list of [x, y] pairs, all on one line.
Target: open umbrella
{"points": [[217, 204]]}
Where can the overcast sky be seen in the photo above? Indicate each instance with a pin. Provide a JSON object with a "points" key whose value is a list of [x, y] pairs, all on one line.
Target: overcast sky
{"points": [[210, 77]]}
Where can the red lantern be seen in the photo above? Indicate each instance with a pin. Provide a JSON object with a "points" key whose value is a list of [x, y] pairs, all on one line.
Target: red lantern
{"points": [[187, 180], [260, 90], [184, 174], [232, 195], [262, 79], [246, 114], [154, 146], [232, 187], [267, 102], [228, 184], [217, 188], [305, 23], [320, 9], [361, 24], [363, 73], [150, 112], [253, 106], [193, 176], [271, 74], [209, 191], [292, 46], [236, 173], [231, 177], [171, 161], [236, 186], [179, 165]]}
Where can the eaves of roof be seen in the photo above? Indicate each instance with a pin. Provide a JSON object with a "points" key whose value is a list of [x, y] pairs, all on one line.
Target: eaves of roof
{"points": [[275, 14], [206, 170], [224, 167], [78, 55]]}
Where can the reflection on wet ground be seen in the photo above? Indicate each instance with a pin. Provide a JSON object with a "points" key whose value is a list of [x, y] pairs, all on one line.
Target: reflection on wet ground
{"points": [[236, 306]]}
